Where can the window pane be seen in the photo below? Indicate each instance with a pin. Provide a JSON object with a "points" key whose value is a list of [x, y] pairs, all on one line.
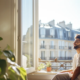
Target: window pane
{"points": [[27, 33], [59, 30]]}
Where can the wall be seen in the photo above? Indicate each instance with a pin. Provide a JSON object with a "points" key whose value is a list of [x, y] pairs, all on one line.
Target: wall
{"points": [[7, 23]]}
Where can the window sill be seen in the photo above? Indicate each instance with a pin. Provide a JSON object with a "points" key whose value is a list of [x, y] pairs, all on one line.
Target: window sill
{"points": [[42, 75]]}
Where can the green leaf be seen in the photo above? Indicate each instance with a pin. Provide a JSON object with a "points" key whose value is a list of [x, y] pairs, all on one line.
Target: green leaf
{"points": [[0, 70], [0, 52], [1, 38], [8, 48], [9, 54]]}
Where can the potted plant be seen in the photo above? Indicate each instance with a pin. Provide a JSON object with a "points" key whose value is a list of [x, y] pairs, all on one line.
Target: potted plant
{"points": [[41, 66], [7, 52], [48, 65]]}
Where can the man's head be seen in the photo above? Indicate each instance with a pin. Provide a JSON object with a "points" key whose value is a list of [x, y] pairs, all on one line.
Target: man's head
{"points": [[77, 42]]}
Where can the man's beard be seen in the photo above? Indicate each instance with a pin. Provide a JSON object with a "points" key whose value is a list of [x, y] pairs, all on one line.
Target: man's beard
{"points": [[76, 47]]}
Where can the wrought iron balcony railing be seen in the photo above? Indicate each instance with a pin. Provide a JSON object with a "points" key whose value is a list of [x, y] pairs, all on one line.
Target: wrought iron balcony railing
{"points": [[65, 47], [51, 58], [69, 38], [42, 46], [64, 58], [69, 47], [52, 47], [61, 47], [43, 58]]}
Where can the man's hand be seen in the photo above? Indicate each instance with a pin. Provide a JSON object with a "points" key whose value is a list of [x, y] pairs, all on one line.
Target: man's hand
{"points": [[71, 72]]}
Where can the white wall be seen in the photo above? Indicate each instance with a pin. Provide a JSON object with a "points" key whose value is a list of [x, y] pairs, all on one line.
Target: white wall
{"points": [[7, 23]]}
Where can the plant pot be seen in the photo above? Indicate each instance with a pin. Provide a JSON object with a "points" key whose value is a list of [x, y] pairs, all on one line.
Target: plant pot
{"points": [[3, 66], [48, 69]]}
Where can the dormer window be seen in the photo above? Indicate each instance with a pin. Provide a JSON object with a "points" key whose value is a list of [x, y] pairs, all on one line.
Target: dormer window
{"points": [[69, 34], [52, 32], [42, 32], [61, 34]]}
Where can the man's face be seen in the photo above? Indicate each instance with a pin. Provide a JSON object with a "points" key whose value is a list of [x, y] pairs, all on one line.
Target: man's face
{"points": [[77, 43]]}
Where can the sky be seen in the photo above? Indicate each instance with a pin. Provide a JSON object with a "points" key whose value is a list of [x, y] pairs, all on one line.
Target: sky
{"points": [[60, 10]]}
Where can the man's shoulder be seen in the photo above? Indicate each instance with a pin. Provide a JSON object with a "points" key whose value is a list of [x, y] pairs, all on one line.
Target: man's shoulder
{"points": [[75, 55]]}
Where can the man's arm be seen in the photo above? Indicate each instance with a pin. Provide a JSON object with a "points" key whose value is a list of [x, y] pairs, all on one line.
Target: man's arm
{"points": [[66, 71], [76, 73]]}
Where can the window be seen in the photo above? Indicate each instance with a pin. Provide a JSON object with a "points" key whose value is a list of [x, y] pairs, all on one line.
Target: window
{"points": [[30, 34], [42, 32], [27, 33], [69, 34], [61, 34], [60, 55], [52, 32], [52, 43], [42, 42], [42, 46], [43, 55], [51, 54], [27, 30]]}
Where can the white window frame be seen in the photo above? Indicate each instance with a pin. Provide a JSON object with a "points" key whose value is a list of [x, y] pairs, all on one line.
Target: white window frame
{"points": [[36, 33]]}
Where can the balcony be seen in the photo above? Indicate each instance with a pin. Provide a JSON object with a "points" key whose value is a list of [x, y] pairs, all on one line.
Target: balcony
{"points": [[69, 47], [61, 47], [51, 58], [69, 38], [43, 58], [64, 58], [42, 47], [65, 47], [52, 36], [61, 37], [52, 47]]}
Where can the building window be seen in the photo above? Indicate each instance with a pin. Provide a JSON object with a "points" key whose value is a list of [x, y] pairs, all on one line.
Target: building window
{"points": [[51, 55], [42, 46], [69, 35], [43, 55], [42, 32], [52, 43], [61, 34], [42, 42], [52, 32]]}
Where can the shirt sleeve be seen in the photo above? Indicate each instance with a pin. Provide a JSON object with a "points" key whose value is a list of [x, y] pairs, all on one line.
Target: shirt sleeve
{"points": [[73, 63], [78, 65]]}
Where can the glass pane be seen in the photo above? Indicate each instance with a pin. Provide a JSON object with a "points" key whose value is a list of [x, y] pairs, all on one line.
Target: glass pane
{"points": [[60, 30], [27, 33]]}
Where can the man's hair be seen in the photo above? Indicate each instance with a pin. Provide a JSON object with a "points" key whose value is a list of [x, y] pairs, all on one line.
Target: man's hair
{"points": [[77, 36]]}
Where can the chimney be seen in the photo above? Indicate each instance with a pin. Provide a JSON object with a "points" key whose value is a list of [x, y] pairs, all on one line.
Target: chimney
{"points": [[69, 26], [62, 24], [52, 23]]}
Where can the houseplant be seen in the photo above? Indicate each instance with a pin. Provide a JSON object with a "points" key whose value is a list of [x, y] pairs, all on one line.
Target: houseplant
{"points": [[41, 66], [7, 53], [48, 66], [12, 71]]}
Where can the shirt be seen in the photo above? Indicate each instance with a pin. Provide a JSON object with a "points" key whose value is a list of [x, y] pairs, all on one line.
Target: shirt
{"points": [[76, 63]]}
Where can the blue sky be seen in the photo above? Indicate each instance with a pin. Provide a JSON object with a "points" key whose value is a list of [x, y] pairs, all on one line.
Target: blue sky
{"points": [[60, 10]]}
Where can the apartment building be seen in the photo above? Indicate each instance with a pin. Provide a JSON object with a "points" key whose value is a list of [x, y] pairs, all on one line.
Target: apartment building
{"points": [[56, 41]]}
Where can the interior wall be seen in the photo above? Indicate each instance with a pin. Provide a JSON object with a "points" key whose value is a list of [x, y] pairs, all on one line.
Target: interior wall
{"points": [[8, 24]]}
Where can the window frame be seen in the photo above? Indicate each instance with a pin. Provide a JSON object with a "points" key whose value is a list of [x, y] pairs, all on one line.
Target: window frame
{"points": [[36, 35]]}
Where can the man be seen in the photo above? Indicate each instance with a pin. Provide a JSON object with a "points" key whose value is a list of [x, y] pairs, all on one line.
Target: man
{"points": [[74, 73]]}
